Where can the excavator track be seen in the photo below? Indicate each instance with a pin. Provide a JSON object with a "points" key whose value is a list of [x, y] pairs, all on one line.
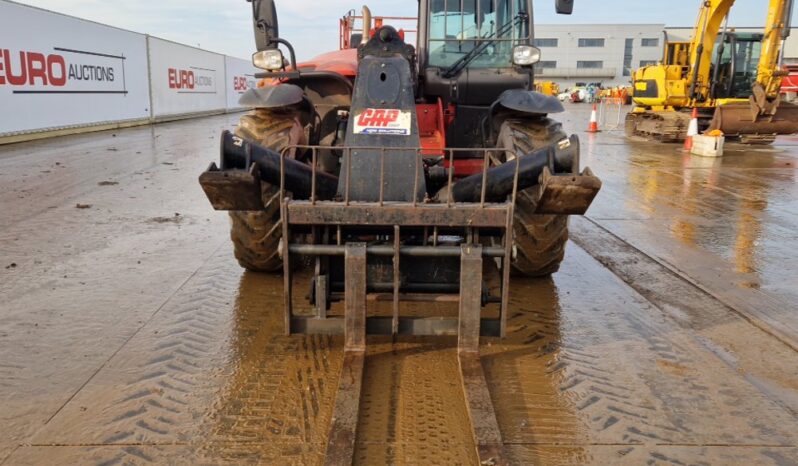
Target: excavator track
{"points": [[658, 126]]}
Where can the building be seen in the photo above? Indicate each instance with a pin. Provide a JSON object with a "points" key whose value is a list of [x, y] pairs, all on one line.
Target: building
{"points": [[609, 53], [596, 53]]}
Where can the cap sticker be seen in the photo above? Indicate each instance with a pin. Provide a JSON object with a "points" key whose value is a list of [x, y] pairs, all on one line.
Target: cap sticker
{"points": [[383, 121]]}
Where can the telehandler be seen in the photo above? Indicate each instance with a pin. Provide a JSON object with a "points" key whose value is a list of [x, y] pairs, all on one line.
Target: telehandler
{"points": [[403, 173]]}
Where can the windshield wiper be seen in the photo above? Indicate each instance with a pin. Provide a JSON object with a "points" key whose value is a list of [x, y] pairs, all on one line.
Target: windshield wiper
{"points": [[485, 42]]}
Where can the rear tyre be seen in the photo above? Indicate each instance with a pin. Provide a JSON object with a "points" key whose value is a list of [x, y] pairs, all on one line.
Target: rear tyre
{"points": [[256, 234], [539, 240]]}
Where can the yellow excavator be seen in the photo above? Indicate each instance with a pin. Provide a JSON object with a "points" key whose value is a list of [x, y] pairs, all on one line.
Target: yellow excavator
{"points": [[547, 88], [731, 78]]}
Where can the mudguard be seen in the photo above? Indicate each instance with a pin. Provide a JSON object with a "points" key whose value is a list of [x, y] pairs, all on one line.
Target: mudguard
{"points": [[281, 95], [518, 103], [527, 102]]}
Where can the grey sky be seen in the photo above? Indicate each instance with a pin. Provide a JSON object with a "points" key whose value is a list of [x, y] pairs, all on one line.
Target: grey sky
{"points": [[312, 25]]}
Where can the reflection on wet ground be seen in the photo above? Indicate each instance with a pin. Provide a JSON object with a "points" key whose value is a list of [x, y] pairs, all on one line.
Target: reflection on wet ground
{"points": [[666, 338], [726, 223]]}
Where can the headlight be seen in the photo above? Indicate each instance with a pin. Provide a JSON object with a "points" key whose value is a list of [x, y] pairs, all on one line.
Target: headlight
{"points": [[525, 55], [271, 60]]}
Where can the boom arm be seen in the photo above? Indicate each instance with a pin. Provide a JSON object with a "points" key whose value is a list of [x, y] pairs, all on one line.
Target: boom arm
{"points": [[777, 28], [710, 19]]}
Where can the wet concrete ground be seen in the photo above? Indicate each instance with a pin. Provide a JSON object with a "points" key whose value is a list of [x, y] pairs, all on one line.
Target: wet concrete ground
{"points": [[128, 333]]}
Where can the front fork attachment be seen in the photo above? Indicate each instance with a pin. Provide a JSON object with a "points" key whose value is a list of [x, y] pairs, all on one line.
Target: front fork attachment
{"points": [[566, 194]]}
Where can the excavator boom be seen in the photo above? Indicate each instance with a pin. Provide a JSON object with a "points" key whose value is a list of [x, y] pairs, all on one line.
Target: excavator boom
{"points": [[710, 18], [777, 29]]}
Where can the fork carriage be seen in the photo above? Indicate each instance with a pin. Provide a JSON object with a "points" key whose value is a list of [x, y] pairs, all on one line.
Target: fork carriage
{"points": [[396, 251], [414, 250], [412, 244]]}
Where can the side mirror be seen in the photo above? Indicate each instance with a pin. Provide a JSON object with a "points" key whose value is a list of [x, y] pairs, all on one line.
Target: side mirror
{"points": [[564, 7], [264, 21]]}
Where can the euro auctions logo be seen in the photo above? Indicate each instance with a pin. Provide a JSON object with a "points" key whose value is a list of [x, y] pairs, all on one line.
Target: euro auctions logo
{"points": [[65, 71], [383, 121], [193, 80], [243, 83]]}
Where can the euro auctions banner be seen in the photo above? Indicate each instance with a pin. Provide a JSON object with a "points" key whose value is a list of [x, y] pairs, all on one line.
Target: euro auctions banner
{"points": [[185, 79], [57, 71], [240, 77]]}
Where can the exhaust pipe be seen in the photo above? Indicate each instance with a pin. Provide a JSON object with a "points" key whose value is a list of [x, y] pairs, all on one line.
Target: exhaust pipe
{"points": [[561, 157], [366, 25]]}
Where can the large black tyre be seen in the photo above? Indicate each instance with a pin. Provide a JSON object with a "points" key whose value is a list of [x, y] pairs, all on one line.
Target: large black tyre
{"points": [[539, 240], [256, 234]]}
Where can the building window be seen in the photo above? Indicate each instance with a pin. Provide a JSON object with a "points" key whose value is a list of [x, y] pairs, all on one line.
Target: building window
{"points": [[547, 64], [649, 42], [627, 56], [647, 63], [592, 64], [545, 42], [591, 42]]}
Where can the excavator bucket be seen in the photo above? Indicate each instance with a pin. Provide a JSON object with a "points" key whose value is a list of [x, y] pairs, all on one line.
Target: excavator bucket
{"points": [[748, 123]]}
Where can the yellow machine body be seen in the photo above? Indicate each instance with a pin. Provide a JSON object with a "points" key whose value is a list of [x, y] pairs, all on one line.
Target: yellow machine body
{"points": [[705, 74]]}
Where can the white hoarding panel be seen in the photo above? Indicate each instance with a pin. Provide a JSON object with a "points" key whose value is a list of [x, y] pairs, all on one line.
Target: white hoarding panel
{"points": [[185, 79], [57, 71], [240, 77]]}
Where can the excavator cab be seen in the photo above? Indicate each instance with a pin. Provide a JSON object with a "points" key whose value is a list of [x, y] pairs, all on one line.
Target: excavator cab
{"points": [[735, 66]]}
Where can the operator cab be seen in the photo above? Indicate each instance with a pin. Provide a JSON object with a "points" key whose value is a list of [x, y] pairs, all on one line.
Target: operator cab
{"points": [[469, 52], [466, 49], [456, 30], [735, 65]]}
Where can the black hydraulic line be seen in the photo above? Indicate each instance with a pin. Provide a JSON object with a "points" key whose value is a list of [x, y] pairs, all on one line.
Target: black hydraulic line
{"points": [[530, 166], [695, 70], [733, 66], [699, 53], [241, 154], [716, 74]]}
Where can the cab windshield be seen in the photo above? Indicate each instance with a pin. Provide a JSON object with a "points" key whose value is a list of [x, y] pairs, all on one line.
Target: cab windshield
{"points": [[737, 65], [457, 27]]}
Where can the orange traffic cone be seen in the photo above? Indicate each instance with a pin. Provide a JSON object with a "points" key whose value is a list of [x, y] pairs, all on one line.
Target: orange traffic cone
{"points": [[593, 126], [692, 130]]}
